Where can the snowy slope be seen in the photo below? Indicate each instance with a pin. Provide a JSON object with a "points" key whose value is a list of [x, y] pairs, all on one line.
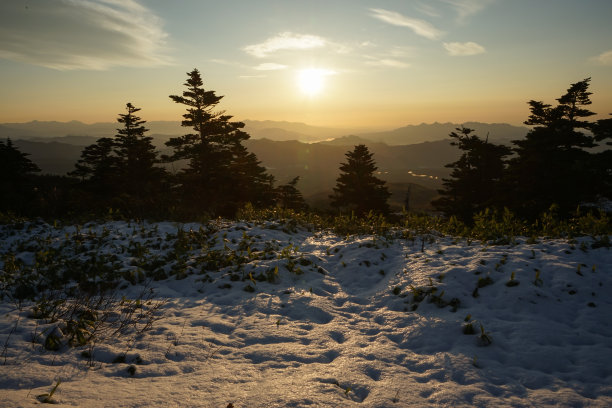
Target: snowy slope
{"points": [[365, 321]]}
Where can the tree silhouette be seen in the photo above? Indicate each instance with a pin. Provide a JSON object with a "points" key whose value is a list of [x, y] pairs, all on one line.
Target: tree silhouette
{"points": [[121, 172], [475, 182], [357, 189], [602, 162], [140, 180], [551, 165], [221, 174], [289, 197], [16, 173]]}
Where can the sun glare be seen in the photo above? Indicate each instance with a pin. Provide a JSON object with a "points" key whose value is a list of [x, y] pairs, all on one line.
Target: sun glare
{"points": [[312, 80]]}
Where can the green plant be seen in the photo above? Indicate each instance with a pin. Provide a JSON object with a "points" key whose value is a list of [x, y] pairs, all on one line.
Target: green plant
{"points": [[468, 328], [484, 337], [47, 397], [512, 282], [538, 281], [486, 281]]}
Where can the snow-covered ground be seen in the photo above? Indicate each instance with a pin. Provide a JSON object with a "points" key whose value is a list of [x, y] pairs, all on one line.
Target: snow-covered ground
{"points": [[359, 321]]}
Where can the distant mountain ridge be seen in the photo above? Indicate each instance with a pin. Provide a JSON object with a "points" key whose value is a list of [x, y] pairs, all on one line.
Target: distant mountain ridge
{"points": [[426, 132], [272, 130], [410, 155]]}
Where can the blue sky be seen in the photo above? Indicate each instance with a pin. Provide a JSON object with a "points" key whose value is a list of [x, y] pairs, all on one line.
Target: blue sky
{"points": [[345, 63]]}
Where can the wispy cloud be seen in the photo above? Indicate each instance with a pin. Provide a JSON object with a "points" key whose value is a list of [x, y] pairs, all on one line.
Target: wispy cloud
{"points": [[466, 8], [458, 49], [387, 62], [270, 66], [285, 41], [605, 58], [81, 34], [391, 58], [427, 9], [420, 27]]}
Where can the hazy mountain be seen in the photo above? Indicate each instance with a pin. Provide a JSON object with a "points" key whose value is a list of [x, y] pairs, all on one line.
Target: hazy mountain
{"points": [[282, 131], [51, 129], [71, 140], [317, 164], [272, 130], [411, 154], [498, 132], [51, 157], [350, 140]]}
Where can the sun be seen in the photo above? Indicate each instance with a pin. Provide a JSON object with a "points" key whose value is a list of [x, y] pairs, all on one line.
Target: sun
{"points": [[312, 80]]}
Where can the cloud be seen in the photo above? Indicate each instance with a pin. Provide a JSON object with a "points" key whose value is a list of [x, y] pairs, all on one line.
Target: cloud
{"points": [[605, 58], [466, 8], [388, 62], [420, 27], [270, 66], [285, 41], [458, 49], [427, 9], [81, 34]]}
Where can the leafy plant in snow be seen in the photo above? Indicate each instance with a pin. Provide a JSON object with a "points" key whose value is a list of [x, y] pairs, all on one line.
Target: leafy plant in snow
{"points": [[485, 337], [512, 282], [47, 397]]}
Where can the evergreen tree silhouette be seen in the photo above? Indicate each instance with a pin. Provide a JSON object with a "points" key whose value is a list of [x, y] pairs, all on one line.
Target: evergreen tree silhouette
{"points": [[221, 175], [357, 188], [289, 197], [551, 165], [140, 180], [602, 161], [121, 172], [97, 170], [475, 182], [16, 178]]}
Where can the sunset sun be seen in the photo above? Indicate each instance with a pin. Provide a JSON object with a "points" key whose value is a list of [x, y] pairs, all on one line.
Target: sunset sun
{"points": [[311, 81]]}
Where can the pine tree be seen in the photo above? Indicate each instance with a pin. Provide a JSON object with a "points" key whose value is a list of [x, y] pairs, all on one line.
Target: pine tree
{"points": [[16, 174], [221, 174], [475, 182], [357, 188], [551, 165], [97, 168], [141, 181], [602, 161], [289, 197], [121, 172]]}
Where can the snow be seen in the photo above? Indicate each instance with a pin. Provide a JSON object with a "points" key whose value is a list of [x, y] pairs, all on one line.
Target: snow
{"points": [[343, 330]]}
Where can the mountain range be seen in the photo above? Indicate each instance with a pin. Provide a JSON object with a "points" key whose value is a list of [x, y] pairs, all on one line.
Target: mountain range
{"points": [[273, 130], [408, 158]]}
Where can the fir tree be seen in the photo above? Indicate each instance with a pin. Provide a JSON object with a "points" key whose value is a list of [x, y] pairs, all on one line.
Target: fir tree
{"points": [[289, 197], [551, 165], [475, 182], [602, 161], [16, 176], [97, 167], [121, 172], [357, 188], [141, 180], [221, 174]]}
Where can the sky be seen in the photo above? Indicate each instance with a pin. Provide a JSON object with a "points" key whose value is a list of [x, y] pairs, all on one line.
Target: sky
{"points": [[338, 63]]}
